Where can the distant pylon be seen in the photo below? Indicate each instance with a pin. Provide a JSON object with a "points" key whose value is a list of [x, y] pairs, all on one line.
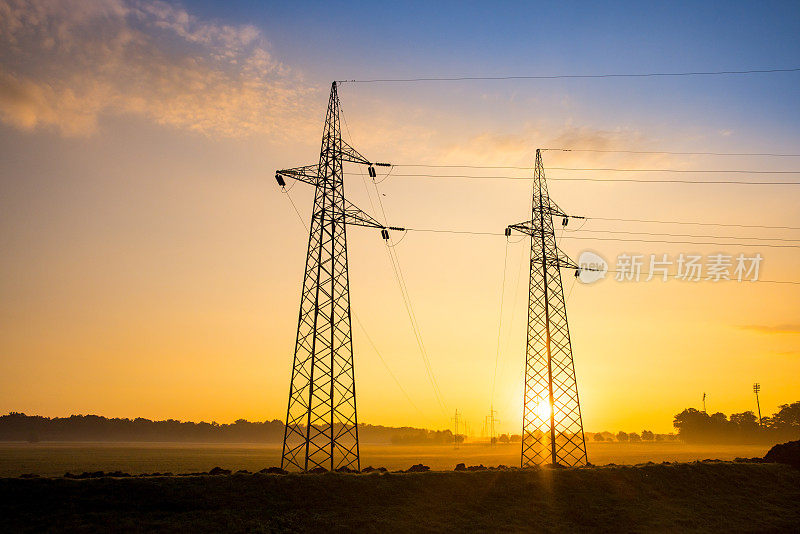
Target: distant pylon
{"points": [[321, 421], [552, 428], [456, 419], [490, 422]]}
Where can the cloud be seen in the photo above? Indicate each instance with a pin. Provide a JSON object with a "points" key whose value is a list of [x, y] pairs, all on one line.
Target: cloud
{"points": [[779, 329], [65, 64], [519, 147]]}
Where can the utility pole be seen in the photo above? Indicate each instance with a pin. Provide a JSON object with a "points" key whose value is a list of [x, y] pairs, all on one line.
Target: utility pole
{"points": [[756, 389], [552, 427], [704, 402], [321, 428], [455, 431]]}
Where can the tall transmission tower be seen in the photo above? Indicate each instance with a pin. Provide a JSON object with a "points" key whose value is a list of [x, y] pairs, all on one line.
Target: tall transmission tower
{"points": [[321, 421], [552, 428]]}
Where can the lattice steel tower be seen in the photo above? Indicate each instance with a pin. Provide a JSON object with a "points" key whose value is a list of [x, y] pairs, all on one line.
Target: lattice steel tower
{"points": [[552, 429], [321, 420]]}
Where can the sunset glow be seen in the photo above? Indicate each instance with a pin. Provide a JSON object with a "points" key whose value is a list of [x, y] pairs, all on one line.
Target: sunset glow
{"points": [[152, 267]]}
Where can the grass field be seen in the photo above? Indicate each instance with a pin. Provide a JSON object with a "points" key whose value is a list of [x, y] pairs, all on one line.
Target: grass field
{"points": [[696, 497], [55, 459]]}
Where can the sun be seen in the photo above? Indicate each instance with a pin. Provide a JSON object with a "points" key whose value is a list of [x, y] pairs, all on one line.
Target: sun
{"points": [[543, 410]]}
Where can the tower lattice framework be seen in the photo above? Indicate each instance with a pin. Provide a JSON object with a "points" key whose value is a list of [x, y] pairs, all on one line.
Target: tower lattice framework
{"points": [[552, 428], [321, 419]]}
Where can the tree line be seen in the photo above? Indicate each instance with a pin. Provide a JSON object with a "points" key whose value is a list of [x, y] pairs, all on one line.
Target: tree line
{"points": [[17, 426], [633, 437], [695, 426]]}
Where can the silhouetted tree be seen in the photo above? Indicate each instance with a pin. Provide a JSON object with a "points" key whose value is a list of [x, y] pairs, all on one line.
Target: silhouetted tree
{"points": [[647, 435], [698, 427], [599, 437], [504, 438], [787, 418], [633, 437], [20, 427], [622, 436]]}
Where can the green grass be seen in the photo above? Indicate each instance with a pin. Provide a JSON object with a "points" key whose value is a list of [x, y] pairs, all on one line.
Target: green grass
{"points": [[685, 497]]}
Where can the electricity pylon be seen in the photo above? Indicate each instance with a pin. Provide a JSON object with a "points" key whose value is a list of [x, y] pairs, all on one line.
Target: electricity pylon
{"points": [[456, 419], [490, 422], [321, 421], [552, 428]]}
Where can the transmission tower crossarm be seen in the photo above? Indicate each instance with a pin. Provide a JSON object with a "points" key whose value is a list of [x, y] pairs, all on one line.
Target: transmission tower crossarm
{"points": [[561, 260], [358, 217], [351, 155], [308, 174]]}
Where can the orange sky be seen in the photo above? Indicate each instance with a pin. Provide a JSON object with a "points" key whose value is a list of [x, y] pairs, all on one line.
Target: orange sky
{"points": [[152, 267]]}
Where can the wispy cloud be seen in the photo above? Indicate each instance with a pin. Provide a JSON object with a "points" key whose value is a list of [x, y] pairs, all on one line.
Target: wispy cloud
{"points": [[779, 329], [65, 64], [519, 147]]}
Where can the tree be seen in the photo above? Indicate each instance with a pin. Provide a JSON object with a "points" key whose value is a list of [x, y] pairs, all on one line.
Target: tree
{"points": [[504, 438], [788, 417], [622, 436], [634, 437], [647, 435], [744, 420], [692, 424], [599, 437]]}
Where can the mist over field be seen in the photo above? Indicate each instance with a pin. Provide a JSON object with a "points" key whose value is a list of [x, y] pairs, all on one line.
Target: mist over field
{"points": [[55, 459]]}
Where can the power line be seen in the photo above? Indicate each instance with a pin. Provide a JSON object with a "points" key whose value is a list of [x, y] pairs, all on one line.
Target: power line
{"points": [[766, 154], [415, 327], [394, 259], [386, 365], [609, 169], [632, 180], [641, 273], [651, 234], [687, 235], [364, 330], [500, 320], [768, 245], [693, 223], [573, 76], [468, 232]]}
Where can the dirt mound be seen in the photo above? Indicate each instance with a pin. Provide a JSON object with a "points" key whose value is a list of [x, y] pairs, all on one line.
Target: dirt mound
{"points": [[418, 468], [370, 469], [273, 471], [219, 471], [785, 453]]}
